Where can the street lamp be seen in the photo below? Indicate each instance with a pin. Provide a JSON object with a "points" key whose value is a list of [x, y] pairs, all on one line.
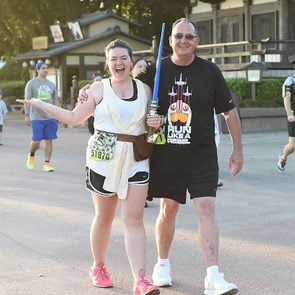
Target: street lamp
{"points": [[253, 72], [31, 66], [253, 76], [48, 61]]}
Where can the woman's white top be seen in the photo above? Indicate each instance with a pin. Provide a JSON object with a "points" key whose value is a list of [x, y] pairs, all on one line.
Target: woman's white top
{"points": [[116, 115]]}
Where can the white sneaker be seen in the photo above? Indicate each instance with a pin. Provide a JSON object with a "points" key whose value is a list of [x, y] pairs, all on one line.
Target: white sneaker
{"points": [[162, 275], [219, 286]]}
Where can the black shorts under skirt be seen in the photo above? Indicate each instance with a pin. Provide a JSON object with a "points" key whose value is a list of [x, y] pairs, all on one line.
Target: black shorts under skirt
{"points": [[95, 181]]}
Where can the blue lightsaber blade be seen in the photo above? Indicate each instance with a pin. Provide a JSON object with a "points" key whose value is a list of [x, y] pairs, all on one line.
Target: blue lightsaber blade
{"points": [[155, 98], [158, 67]]}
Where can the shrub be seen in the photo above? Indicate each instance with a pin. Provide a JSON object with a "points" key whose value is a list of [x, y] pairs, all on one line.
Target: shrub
{"points": [[241, 87], [268, 92], [82, 83], [12, 90], [13, 78], [13, 71]]}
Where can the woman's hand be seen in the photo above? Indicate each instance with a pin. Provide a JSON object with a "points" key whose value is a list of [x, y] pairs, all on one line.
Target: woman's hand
{"points": [[154, 121], [29, 102], [82, 94]]}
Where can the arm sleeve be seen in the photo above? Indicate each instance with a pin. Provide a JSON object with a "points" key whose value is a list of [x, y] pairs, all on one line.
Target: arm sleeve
{"points": [[223, 98], [5, 108], [288, 86]]}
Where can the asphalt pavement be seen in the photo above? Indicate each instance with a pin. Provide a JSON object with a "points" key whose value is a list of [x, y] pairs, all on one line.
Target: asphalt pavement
{"points": [[45, 220]]}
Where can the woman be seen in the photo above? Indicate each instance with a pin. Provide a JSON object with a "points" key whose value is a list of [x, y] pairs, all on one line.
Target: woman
{"points": [[119, 104], [139, 66]]}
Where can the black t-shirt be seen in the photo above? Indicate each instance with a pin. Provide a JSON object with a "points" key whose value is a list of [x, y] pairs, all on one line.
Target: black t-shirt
{"points": [[188, 96], [289, 85]]}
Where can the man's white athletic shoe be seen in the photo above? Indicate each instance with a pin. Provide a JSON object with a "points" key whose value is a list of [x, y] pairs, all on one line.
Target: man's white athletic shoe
{"points": [[219, 286], [162, 275]]}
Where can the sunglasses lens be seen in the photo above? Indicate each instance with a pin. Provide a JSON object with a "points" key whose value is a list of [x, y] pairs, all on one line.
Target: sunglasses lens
{"points": [[189, 36], [179, 36]]}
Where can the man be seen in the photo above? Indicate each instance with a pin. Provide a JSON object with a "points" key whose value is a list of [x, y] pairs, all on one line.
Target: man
{"points": [[186, 158], [288, 93], [44, 127]]}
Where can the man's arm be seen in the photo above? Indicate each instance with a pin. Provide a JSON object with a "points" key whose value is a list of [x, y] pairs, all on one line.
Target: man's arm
{"points": [[56, 99], [27, 107], [75, 117], [27, 112], [234, 126]]}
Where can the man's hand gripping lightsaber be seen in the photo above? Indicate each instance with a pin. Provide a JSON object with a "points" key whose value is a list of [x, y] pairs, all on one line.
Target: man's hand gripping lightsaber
{"points": [[154, 102]]}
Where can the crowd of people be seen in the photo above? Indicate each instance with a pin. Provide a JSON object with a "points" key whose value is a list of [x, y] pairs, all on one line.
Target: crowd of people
{"points": [[184, 161]]}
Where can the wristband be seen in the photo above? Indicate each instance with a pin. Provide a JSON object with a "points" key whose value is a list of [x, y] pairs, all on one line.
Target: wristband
{"points": [[27, 115], [290, 114]]}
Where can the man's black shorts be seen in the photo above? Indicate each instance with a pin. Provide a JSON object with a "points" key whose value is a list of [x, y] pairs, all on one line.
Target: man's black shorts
{"points": [[177, 169]]}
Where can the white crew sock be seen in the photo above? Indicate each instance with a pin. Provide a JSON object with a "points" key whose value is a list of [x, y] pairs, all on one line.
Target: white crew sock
{"points": [[163, 261], [212, 271]]}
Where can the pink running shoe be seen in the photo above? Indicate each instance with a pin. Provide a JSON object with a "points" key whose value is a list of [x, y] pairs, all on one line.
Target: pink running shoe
{"points": [[100, 276], [145, 287]]}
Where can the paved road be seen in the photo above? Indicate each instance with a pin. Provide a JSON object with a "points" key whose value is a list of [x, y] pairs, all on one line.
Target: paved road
{"points": [[45, 220]]}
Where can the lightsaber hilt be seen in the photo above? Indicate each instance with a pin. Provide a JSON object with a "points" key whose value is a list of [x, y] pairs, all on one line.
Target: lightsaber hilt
{"points": [[151, 131]]}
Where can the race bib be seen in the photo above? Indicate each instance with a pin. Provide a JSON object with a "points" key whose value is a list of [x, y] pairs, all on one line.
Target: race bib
{"points": [[102, 146]]}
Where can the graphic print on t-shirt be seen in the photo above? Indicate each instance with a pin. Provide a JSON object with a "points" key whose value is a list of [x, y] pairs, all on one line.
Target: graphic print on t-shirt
{"points": [[44, 92], [179, 113]]}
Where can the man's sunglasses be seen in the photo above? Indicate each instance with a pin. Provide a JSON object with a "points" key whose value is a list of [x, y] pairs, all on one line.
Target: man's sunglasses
{"points": [[179, 36]]}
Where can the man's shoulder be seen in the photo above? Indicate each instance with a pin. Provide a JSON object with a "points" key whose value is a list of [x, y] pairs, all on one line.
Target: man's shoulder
{"points": [[206, 62], [31, 81], [35, 81], [166, 59], [49, 82]]}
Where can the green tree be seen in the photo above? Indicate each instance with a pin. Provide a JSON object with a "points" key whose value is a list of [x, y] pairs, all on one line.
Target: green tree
{"points": [[20, 21], [150, 13]]}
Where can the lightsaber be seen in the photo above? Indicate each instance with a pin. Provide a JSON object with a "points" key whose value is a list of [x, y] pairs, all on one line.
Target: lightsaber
{"points": [[155, 98]]}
